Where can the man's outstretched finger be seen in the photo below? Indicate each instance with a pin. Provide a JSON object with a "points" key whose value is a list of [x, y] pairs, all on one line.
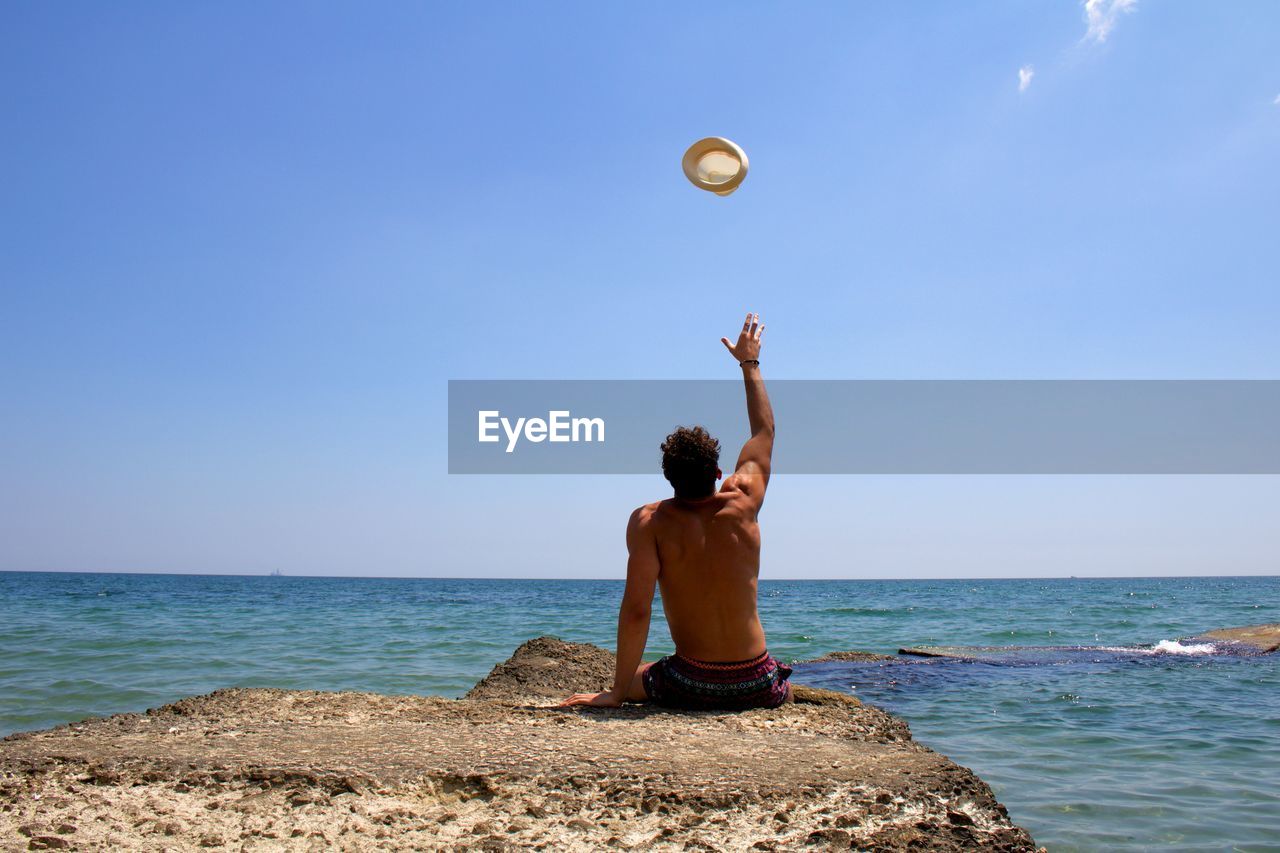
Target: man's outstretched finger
{"points": [[759, 331], [727, 345], [746, 324]]}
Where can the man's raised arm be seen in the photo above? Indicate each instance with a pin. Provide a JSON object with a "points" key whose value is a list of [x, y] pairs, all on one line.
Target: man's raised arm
{"points": [[752, 471]]}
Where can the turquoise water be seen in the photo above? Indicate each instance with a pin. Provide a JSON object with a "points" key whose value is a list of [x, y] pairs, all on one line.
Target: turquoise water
{"points": [[1090, 750]]}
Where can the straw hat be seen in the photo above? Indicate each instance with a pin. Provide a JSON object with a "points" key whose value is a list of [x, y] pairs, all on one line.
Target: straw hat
{"points": [[715, 164]]}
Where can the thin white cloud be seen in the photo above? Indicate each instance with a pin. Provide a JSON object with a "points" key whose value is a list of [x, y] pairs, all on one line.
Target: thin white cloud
{"points": [[1277, 101], [1025, 73], [1100, 16]]}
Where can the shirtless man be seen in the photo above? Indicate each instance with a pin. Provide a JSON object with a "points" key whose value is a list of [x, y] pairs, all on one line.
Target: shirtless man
{"points": [[703, 548]]}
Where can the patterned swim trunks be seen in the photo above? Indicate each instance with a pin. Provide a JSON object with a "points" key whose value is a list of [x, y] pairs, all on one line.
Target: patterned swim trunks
{"points": [[680, 682]]}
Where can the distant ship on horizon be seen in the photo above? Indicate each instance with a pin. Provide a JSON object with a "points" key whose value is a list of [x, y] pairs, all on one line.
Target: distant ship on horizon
{"points": [[276, 574]]}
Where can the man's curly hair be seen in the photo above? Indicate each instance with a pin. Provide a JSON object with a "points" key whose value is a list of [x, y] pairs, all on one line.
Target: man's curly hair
{"points": [[690, 460]]}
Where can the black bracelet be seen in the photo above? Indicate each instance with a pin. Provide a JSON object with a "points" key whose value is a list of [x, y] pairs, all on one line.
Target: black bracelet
{"points": [[754, 361]]}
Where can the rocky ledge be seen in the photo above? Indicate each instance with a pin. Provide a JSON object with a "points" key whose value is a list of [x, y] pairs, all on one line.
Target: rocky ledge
{"points": [[269, 769]]}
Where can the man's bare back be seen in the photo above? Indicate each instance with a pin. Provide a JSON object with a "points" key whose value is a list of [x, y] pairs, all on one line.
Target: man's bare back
{"points": [[702, 547], [710, 556]]}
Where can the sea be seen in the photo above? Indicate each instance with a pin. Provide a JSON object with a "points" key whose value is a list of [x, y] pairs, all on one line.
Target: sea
{"points": [[1081, 704]]}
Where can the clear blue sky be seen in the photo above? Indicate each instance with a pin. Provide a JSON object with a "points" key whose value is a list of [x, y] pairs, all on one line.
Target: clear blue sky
{"points": [[245, 245]]}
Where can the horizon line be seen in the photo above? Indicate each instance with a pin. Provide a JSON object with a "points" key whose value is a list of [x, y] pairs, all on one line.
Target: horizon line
{"points": [[618, 579]]}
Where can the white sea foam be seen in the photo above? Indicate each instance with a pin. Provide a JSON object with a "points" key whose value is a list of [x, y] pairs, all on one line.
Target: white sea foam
{"points": [[1166, 647], [1173, 647]]}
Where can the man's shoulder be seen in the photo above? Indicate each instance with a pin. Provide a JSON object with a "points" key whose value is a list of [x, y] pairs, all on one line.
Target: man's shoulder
{"points": [[643, 515]]}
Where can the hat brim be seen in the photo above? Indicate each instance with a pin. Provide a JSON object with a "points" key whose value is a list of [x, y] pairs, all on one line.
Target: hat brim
{"points": [[700, 149]]}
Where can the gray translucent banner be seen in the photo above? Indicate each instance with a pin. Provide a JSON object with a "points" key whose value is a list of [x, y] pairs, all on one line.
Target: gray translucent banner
{"points": [[874, 427]]}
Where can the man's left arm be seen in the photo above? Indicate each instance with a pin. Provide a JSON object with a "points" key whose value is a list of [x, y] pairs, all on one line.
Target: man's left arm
{"points": [[634, 615]]}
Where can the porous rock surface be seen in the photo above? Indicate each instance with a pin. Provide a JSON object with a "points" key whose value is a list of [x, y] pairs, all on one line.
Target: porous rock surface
{"points": [[263, 769], [855, 657], [1264, 639]]}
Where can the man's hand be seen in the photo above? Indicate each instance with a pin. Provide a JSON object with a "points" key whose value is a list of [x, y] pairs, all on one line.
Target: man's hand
{"points": [[607, 699], [748, 345]]}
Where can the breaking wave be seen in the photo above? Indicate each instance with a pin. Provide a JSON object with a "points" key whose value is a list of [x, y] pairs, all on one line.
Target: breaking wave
{"points": [[1166, 647]]}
